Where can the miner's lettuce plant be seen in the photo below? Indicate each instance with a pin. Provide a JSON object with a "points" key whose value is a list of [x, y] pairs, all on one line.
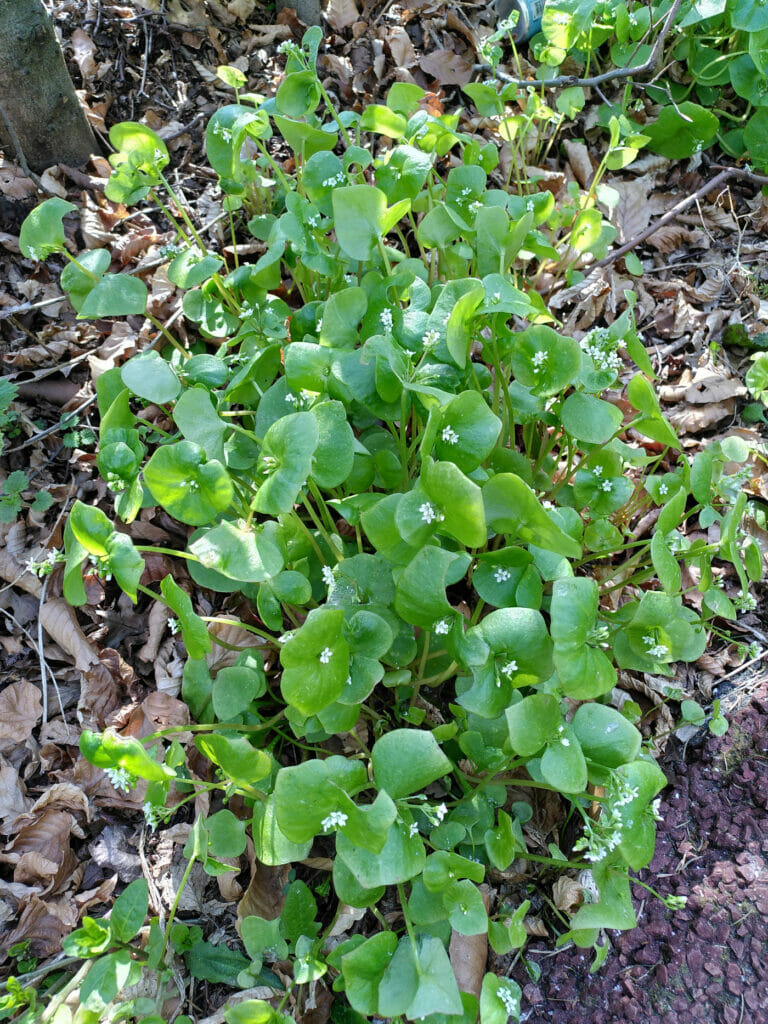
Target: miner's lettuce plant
{"points": [[418, 496]]}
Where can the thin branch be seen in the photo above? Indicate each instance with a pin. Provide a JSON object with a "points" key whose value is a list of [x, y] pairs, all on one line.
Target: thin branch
{"points": [[563, 81], [716, 182]]}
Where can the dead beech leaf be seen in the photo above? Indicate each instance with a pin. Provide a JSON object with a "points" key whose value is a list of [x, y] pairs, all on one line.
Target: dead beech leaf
{"points": [[447, 67], [580, 162], [60, 623], [401, 47], [43, 924], [669, 237], [189, 14], [567, 894], [696, 418], [83, 49], [469, 955], [264, 895], [340, 14], [535, 926], [21, 707], [631, 214], [13, 799]]}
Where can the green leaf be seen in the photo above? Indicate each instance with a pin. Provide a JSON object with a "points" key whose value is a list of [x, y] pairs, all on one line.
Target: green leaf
{"points": [[115, 295], [150, 377], [544, 361], [401, 858], [605, 735], [361, 218], [563, 765], [590, 419], [682, 130], [91, 939], [194, 631], [43, 230], [499, 999], [467, 431], [299, 912], [532, 723], [406, 760], [271, 846], [108, 976], [512, 508], [315, 662], [216, 964], [461, 501], [76, 282], [226, 834], [384, 121], [306, 794], [241, 762], [363, 970], [239, 554], [286, 459], [190, 268], [519, 636], [420, 592], [190, 488]]}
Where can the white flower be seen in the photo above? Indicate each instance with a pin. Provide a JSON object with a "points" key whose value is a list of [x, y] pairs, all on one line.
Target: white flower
{"points": [[430, 338], [121, 779], [538, 359], [386, 319], [349, 680], [442, 627], [565, 741], [327, 574], [429, 514], [413, 830], [325, 655], [560, 18], [496, 298], [291, 398], [285, 637], [440, 811], [547, 504], [502, 575], [173, 626], [606, 486], [336, 819], [663, 488], [656, 809], [509, 1000], [152, 815], [529, 206], [319, 325], [509, 668], [449, 435], [597, 471]]}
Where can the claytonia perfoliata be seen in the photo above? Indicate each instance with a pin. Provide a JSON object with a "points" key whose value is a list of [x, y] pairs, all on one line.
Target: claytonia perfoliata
{"points": [[121, 779], [336, 819]]}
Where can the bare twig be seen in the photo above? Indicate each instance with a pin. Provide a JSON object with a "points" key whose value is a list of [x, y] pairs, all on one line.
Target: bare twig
{"points": [[716, 182], [563, 81]]}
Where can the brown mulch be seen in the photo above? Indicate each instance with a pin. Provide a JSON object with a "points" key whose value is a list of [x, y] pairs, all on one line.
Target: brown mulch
{"points": [[709, 961]]}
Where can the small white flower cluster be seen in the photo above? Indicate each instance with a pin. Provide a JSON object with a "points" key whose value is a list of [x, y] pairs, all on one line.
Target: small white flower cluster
{"points": [[501, 575], [325, 655], [152, 815], [335, 179], [121, 779], [430, 339], [601, 837], [313, 220], [46, 564], [656, 809], [607, 486], [529, 205], [336, 819], [442, 627], [507, 670], [100, 567], [413, 830], [173, 626], [560, 18], [440, 812], [327, 573], [496, 298], [564, 741], [170, 250], [509, 1000], [449, 435], [429, 514], [224, 133], [289, 47], [745, 602], [385, 317], [601, 349], [598, 636], [655, 650], [538, 359], [663, 489]]}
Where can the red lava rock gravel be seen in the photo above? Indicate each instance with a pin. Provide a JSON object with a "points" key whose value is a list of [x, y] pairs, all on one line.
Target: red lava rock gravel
{"points": [[709, 961]]}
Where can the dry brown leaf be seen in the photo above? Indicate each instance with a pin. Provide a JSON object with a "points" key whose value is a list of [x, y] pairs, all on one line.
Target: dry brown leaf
{"points": [[189, 13], [157, 620], [535, 926], [21, 707], [401, 47], [264, 895], [60, 623], [631, 215], [567, 894], [84, 49], [669, 237], [13, 799], [340, 14], [43, 924], [580, 162], [447, 67], [697, 418]]}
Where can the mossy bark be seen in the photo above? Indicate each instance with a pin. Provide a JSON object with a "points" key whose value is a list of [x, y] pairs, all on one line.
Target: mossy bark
{"points": [[36, 93]]}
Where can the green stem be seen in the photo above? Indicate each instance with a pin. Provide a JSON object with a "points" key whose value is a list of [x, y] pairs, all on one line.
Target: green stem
{"points": [[175, 907], [167, 335]]}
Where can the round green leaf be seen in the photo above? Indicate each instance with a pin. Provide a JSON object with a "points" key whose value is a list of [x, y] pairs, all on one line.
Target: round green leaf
{"points": [[590, 419], [189, 488], [406, 760], [150, 377], [115, 295]]}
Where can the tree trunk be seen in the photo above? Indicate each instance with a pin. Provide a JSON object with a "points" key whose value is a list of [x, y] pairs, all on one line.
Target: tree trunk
{"points": [[39, 111]]}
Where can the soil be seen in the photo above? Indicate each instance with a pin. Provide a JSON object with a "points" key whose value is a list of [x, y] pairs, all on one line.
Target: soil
{"points": [[709, 961]]}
